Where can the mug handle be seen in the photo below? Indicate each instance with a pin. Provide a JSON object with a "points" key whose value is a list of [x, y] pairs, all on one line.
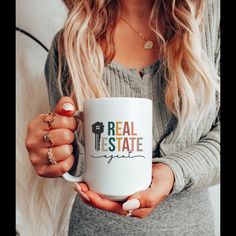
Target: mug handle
{"points": [[72, 178], [67, 176]]}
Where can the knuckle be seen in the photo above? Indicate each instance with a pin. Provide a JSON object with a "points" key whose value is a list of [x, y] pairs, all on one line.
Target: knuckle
{"points": [[41, 171], [150, 202], [33, 160], [30, 143]]}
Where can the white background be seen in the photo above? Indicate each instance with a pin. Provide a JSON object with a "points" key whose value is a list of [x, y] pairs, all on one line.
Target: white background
{"points": [[43, 19]]}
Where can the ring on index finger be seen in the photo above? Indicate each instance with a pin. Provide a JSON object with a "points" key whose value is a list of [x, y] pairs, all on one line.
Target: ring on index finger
{"points": [[49, 118]]}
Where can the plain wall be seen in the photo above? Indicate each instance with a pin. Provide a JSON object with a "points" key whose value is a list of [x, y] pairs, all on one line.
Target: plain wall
{"points": [[43, 19]]}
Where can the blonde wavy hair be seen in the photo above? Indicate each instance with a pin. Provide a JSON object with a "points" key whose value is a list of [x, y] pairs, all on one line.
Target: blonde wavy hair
{"points": [[87, 44]]}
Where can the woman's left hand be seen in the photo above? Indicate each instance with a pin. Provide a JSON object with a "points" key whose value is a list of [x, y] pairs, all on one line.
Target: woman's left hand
{"points": [[140, 204]]}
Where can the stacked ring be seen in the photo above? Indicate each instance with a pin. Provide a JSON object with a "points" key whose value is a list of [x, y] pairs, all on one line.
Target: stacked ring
{"points": [[49, 118], [47, 138], [51, 157]]}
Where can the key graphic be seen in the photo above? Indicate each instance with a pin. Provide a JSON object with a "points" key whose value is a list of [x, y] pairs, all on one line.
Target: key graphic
{"points": [[97, 129]]}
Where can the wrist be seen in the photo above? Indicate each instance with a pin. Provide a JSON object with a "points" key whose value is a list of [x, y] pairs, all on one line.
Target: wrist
{"points": [[164, 173]]}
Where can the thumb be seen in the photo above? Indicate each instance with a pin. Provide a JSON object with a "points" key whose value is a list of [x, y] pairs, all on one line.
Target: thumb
{"points": [[65, 106], [145, 199], [133, 202]]}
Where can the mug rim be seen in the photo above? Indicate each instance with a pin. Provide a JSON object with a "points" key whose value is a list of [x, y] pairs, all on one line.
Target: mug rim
{"points": [[117, 98]]}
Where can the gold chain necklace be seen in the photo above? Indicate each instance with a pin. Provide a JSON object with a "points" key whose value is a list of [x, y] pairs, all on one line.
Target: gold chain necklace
{"points": [[148, 43]]}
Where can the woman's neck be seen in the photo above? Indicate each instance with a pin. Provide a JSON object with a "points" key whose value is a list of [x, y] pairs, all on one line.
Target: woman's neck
{"points": [[130, 50], [136, 9]]}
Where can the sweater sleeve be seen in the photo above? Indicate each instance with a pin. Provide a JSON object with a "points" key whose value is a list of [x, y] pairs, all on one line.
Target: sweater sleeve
{"points": [[51, 74], [198, 166]]}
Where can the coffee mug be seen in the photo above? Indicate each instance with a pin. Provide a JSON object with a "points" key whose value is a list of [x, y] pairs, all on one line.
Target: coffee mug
{"points": [[118, 146]]}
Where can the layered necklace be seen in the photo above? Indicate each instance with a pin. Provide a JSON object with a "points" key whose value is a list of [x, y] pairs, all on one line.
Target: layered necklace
{"points": [[148, 44]]}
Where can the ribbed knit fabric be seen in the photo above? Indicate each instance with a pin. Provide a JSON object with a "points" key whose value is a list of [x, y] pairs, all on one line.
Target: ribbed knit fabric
{"points": [[194, 159]]}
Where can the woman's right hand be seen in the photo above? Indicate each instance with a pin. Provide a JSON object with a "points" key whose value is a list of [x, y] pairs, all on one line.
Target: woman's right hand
{"points": [[61, 136]]}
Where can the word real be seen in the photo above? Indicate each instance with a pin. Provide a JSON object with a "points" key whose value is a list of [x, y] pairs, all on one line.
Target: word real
{"points": [[119, 136]]}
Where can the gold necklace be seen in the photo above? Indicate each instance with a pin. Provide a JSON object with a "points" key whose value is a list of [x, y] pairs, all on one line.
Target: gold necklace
{"points": [[148, 43]]}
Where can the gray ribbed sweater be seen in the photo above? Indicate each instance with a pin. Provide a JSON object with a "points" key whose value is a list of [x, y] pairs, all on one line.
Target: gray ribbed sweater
{"points": [[194, 159]]}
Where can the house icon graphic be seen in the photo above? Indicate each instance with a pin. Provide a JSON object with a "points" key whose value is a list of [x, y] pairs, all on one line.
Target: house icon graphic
{"points": [[97, 129]]}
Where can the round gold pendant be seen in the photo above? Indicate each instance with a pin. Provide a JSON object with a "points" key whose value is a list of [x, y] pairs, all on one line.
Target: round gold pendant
{"points": [[148, 44]]}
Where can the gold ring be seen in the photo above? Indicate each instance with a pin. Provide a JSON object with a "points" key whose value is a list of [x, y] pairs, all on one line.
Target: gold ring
{"points": [[129, 213], [48, 138], [49, 118], [51, 157]]}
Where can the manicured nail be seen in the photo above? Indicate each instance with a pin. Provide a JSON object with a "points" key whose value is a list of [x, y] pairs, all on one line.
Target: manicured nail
{"points": [[77, 188], [85, 196], [68, 107], [131, 205]]}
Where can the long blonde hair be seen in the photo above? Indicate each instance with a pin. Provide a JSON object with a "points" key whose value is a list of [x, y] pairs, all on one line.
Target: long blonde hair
{"points": [[190, 77]]}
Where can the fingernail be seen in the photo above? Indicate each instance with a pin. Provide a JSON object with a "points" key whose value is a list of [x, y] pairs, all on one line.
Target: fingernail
{"points": [[77, 188], [85, 196], [131, 205], [68, 107]]}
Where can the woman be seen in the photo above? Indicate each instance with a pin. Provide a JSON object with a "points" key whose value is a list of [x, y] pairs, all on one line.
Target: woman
{"points": [[164, 50]]}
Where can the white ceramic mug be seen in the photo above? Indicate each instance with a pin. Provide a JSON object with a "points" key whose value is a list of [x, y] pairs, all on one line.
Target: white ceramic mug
{"points": [[118, 146]]}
